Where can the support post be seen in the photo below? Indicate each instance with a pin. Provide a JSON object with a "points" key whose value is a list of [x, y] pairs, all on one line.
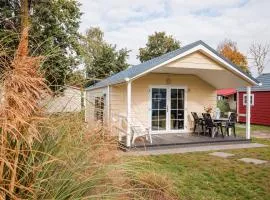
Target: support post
{"points": [[108, 106], [84, 96], [237, 106], [248, 112], [128, 113]]}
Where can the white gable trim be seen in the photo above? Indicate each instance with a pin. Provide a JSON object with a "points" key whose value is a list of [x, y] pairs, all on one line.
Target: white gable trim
{"points": [[210, 54]]}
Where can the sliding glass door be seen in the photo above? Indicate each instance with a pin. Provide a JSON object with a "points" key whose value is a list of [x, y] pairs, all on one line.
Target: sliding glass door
{"points": [[177, 114], [159, 109], [167, 109]]}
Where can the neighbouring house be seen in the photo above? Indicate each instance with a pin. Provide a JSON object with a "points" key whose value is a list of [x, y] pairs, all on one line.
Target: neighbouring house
{"points": [[228, 95], [70, 100], [160, 94], [260, 102]]}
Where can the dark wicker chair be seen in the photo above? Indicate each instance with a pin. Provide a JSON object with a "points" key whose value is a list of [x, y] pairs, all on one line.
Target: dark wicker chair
{"points": [[197, 122], [231, 124], [211, 126]]}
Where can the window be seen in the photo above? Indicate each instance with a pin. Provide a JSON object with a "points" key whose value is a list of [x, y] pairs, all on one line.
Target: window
{"points": [[219, 98], [234, 97], [99, 108], [251, 99], [159, 108]]}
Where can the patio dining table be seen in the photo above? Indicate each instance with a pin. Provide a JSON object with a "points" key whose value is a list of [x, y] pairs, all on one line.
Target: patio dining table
{"points": [[221, 119]]}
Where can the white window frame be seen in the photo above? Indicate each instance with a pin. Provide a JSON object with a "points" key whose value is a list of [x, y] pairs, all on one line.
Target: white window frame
{"points": [[251, 99], [99, 107]]}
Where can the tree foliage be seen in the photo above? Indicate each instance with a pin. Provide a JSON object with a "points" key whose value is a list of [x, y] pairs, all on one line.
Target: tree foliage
{"points": [[101, 58], [53, 28], [158, 44], [229, 50]]}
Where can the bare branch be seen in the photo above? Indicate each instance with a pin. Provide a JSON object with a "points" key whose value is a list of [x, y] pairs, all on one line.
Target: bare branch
{"points": [[259, 54]]}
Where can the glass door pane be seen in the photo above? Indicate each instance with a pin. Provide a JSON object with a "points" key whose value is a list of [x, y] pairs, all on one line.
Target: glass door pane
{"points": [[177, 109], [158, 112]]}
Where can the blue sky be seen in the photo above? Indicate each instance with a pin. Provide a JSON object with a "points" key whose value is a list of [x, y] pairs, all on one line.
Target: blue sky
{"points": [[127, 23]]}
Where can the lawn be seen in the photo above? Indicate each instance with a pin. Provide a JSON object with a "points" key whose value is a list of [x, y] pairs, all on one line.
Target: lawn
{"points": [[254, 128], [201, 176]]}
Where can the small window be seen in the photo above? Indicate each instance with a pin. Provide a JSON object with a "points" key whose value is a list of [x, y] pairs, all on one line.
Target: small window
{"points": [[251, 99], [219, 97], [99, 108], [234, 97]]}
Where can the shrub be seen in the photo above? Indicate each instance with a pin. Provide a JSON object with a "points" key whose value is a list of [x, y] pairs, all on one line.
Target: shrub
{"points": [[223, 105]]}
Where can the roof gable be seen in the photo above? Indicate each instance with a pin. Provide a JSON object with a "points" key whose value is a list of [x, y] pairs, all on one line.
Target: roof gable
{"points": [[145, 67], [195, 60]]}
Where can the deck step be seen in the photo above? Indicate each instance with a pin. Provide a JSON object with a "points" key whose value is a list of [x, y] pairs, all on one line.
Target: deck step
{"points": [[181, 145], [191, 149]]}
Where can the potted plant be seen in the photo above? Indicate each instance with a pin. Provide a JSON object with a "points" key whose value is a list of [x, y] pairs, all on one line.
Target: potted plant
{"points": [[208, 109]]}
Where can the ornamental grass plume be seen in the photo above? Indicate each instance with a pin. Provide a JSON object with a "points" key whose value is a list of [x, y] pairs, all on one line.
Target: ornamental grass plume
{"points": [[22, 87], [58, 156]]}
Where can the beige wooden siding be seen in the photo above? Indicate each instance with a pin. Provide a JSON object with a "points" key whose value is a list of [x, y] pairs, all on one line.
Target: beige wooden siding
{"points": [[196, 60], [118, 111], [199, 94], [90, 103], [69, 101], [118, 99]]}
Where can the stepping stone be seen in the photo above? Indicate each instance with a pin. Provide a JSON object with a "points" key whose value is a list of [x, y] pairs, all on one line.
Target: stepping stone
{"points": [[260, 134], [252, 160], [221, 154]]}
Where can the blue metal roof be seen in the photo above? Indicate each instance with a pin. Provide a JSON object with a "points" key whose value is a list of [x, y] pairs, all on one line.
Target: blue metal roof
{"points": [[140, 68], [264, 79]]}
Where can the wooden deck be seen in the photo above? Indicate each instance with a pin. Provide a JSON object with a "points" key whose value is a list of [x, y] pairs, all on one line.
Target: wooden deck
{"points": [[172, 140]]}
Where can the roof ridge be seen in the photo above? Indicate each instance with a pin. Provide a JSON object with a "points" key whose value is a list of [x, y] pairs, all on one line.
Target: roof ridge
{"points": [[168, 53]]}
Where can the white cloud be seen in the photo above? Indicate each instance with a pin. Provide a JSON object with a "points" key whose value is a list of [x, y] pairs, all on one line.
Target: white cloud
{"points": [[127, 23]]}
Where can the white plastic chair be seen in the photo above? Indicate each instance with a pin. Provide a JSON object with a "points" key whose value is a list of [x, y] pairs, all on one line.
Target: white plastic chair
{"points": [[139, 131]]}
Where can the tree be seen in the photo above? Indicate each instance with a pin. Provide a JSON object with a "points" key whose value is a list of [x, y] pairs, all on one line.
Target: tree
{"points": [[91, 44], [76, 78], [229, 50], [108, 62], [100, 58], [158, 44], [259, 54], [53, 28]]}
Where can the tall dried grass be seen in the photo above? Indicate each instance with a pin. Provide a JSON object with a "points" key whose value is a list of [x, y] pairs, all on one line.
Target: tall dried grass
{"points": [[21, 88], [90, 166], [58, 157]]}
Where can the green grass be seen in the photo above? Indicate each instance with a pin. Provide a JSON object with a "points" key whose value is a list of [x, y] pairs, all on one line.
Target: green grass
{"points": [[241, 127], [201, 176]]}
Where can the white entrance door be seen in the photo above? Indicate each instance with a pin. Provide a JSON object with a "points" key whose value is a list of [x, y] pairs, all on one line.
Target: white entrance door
{"points": [[167, 113]]}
